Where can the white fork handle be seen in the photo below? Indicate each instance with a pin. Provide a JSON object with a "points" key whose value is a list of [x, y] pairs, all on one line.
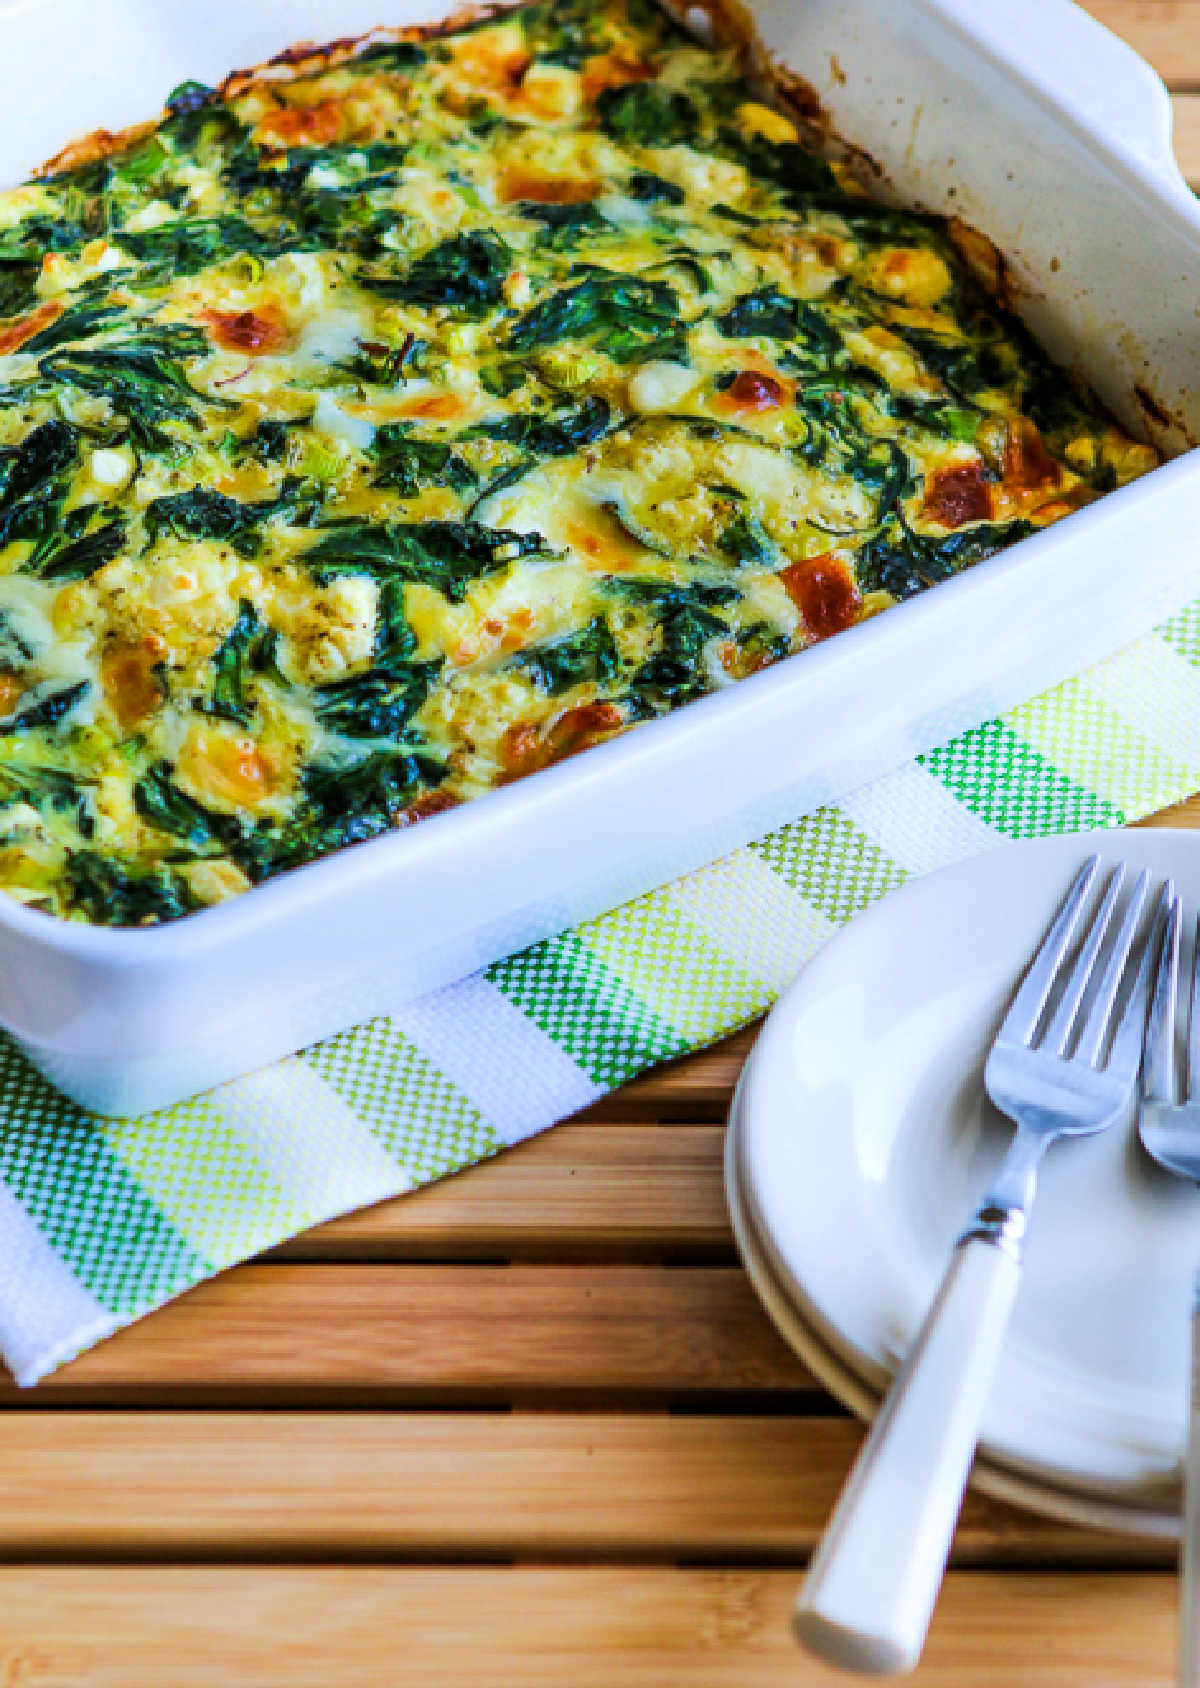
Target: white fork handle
{"points": [[870, 1591], [1189, 1594]]}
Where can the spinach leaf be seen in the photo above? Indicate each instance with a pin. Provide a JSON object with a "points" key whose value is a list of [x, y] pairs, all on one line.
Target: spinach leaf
{"points": [[391, 55], [903, 563], [798, 173], [555, 434], [966, 367], [346, 802], [191, 244], [651, 189], [408, 464], [50, 788], [378, 704], [767, 312], [143, 377], [34, 477], [774, 315], [648, 114], [345, 218], [445, 555], [80, 322], [17, 286], [78, 558], [626, 317], [268, 442], [589, 654], [676, 673], [189, 96], [465, 271], [564, 225], [761, 645], [665, 597], [113, 895], [46, 710], [160, 801], [28, 240], [246, 649], [203, 513], [746, 542], [562, 32]]}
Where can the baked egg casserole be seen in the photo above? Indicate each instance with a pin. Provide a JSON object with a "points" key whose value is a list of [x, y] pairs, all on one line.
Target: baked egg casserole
{"points": [[402, 418]]}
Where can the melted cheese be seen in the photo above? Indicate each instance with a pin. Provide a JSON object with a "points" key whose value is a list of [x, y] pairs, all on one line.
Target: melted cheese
{"points": [[423, 418]]}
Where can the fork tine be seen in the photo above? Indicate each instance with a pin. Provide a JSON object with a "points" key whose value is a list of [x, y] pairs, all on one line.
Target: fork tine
{"points": [[1157, 1036], [1099, 1019], [1058, 1032], [1193, 1067], [1021, 1021]]}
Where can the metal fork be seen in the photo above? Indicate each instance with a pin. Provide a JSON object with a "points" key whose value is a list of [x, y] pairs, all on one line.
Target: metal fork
{"points": [[1169, 1126], [1065, 1062]]}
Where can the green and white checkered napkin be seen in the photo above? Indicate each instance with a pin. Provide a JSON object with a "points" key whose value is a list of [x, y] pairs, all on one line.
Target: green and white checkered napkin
{"points": [[103, 1220]]}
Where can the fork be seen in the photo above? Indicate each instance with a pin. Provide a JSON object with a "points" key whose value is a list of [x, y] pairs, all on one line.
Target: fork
{"points": [[1169, 1126], [1064, 1063]]}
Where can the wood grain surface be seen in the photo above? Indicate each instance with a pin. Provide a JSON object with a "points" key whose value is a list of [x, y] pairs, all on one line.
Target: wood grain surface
{"points": [[528, 1428], [544, 1627]]}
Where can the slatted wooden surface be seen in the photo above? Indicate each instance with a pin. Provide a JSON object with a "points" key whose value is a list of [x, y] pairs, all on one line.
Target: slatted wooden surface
{"points": [[527, 1429]]}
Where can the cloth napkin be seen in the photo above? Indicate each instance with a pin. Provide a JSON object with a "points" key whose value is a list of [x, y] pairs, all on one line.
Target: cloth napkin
{"points": [[102, 1220]]}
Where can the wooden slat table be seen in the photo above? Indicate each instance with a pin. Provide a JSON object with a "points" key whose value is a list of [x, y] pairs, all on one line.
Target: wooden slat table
{"points": [[526, 1429]]}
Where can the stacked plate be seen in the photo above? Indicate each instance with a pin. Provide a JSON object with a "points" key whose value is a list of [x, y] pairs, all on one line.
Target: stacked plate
{"points": [[861, 1140]]}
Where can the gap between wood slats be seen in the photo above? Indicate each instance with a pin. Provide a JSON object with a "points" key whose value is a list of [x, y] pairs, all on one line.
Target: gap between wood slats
{"points": [[384, 1334], [459, 1486], [577, 1188], [533, 1627]]}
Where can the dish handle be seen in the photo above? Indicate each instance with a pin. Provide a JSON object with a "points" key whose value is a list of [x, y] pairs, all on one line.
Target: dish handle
{"points": [[1079, 66]]}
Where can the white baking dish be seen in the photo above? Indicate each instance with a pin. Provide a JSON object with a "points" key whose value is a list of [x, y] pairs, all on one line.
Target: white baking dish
{"points": [[1031, 122]]}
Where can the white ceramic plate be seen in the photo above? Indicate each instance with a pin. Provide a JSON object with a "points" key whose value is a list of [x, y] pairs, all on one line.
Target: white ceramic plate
{"points": [[1071, 1506], [865, 1141]]}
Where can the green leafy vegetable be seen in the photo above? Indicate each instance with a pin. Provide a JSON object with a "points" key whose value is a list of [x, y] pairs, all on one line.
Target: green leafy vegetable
{"points": [[445, 555], [651, 189], [165, 806], [799, 174], [408, 464], [903, 563], [34, 477], [648, 113], [746, 542], [379, 704], [390, 55], [246, 649], [111, 894], [79, 322], [46, 709], [553, 434], [626, 317], [465, 271], [565, 225], [17, 286], [77, 558], [589, 654], [676, 672], [143, 376], [203, 513], [192, 244]]}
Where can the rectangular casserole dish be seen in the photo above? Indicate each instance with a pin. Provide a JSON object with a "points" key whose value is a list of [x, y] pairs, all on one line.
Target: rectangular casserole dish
{"points": [[1039, 128]]}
